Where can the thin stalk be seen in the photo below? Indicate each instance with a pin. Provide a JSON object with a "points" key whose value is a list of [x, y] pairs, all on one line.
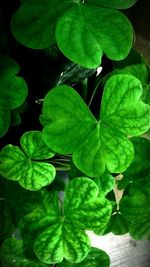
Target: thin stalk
{"points": [[94, 92]]}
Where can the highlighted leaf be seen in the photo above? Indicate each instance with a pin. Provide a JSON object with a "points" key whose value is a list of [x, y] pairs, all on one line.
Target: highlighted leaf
{"points": [[135, 208], [17, 166], [55, 235], [95, 257], [69, 126], [34, 146], [33, 24], [12, 254], [105, 183], [83, 34]]}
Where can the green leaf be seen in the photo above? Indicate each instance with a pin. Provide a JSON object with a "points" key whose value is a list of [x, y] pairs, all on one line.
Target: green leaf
{"points": [[34, 146], [118, 225], [13, 91], [105, 183], [33, 24], [95, 258], [119, 4], [4, 120], [12, 254], [71, 128], [85, 208], [135, 208], [30, 174], [83, 34], [140, 167], [140, 71], [55, 232]]}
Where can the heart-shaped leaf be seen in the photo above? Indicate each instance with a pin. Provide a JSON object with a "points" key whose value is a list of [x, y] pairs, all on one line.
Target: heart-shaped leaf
{"points": [[70, 127], [56, 235], [17, 166], [135, 208], [33, 24], [12, 254], [13, 91], [105, 182], [83, 34], [140, 167], [95, 258]]}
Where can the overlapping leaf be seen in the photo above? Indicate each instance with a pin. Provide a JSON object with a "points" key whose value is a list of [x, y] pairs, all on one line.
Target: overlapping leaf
{"points": [[70, 127], [56, 234], [140, 167], [13, 91], [33, 24], [83, 34], [135, 208], [95, 258], [12, 254], [82, 30], [105, 183], [21, 166]]}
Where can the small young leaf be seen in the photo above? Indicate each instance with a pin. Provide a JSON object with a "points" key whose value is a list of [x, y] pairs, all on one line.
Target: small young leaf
{"points": [[12, 254], [140, 167], [34, 146], [91, 36], [118, 225], [105, 183], [135, 208], [95, 258], [30, 174]]}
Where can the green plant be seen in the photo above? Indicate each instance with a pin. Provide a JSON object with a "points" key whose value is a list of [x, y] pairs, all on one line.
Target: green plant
{"points": [[90, 126]]}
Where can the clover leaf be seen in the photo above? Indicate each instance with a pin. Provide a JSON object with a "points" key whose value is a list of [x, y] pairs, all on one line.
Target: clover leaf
{"points": [[22, 166], [58, 232], [13, 91], [39, 24], [105, 182], [118, 225], [70, 127], [96, 257], [140, 166], [33, 24], [12, 254], [135, 208], [83, 34]]}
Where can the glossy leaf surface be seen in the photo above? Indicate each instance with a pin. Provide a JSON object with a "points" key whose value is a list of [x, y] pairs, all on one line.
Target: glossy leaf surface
{"points": [[55, 235], [83, 34], [95, 258], [70, 127], [17, 166]]}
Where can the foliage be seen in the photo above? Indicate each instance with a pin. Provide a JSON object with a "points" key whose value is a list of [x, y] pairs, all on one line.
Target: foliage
{"points": [[79, 130]]}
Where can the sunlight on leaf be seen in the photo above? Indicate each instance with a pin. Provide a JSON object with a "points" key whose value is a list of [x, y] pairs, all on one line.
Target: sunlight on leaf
{"points": [[70, 127], [83, 34], [17, 166], [56, 236]]}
